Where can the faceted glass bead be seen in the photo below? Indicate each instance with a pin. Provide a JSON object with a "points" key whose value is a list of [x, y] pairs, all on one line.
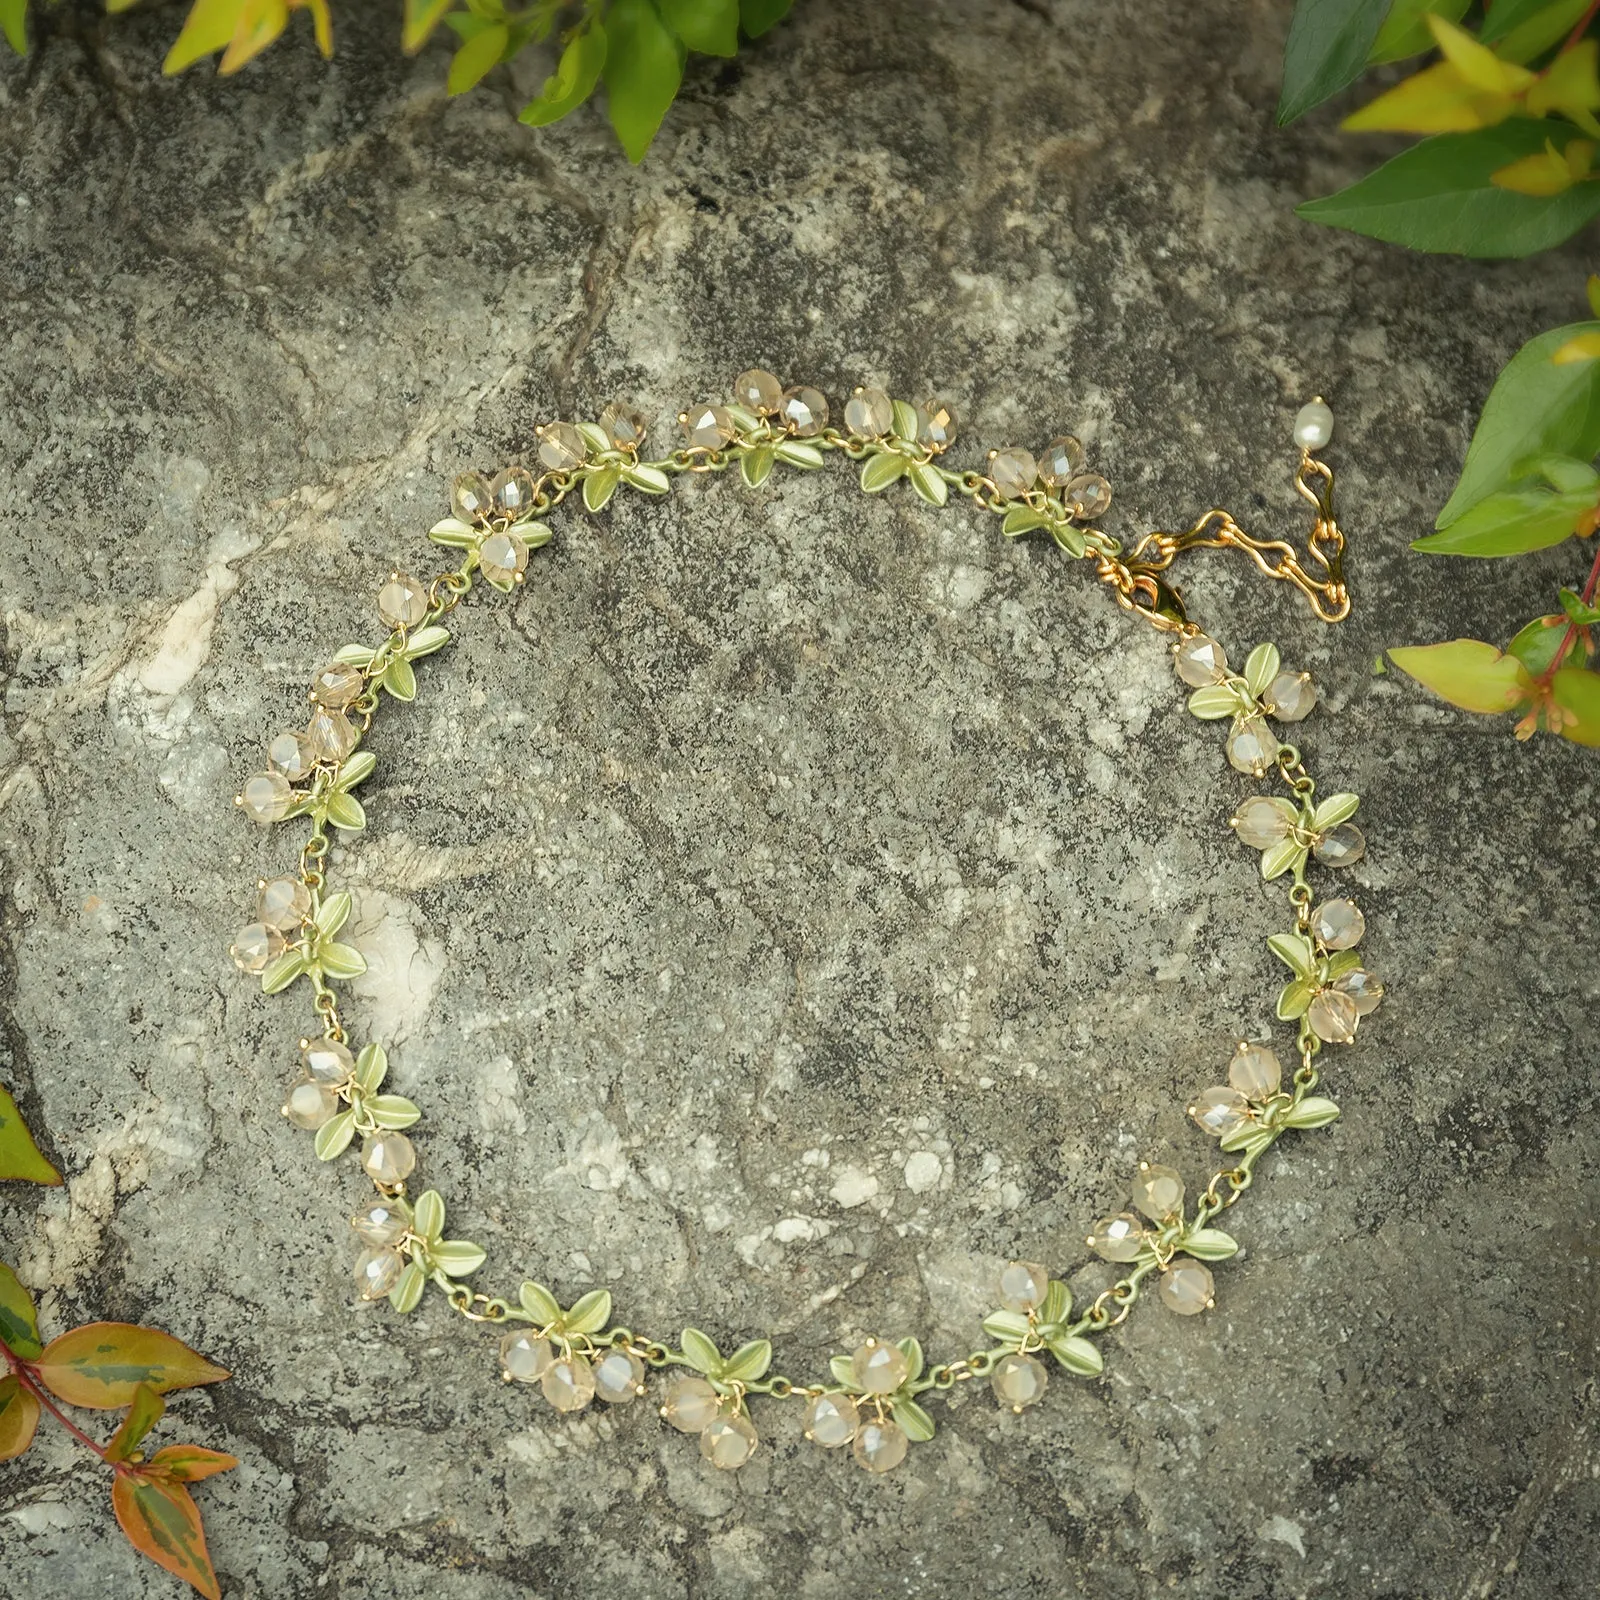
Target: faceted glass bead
{"points": [[377, 1272], [707, 428], [804, 412], [690, 1404], [1340, 847], [562, 447], [1263, 821], [388, 1158], [1252, 747], [327, 1061], [619, 1377], [758, 391], [1338, 924], [309, 1104], [936, 425], [879, 1367], [728, 1441], [380, 1224], [1061, 462], [1186, 1287], [1362, 987], [332, 734], [470, 498], [402, 601], [1290, 696], [568, 1383], [256, 947], [1200, 661], [337, 685], [1023, 1285], [1118, 1238], [1014, 472], [880, 1446], [512, 492], [1018, 1380], [291, 754], [1255, 1071], [1333, 1016], [832, 1420], [525, 1357], [869, 413], [266, 796], [1087, 496], [623, 426], [1313, 426], [1158, 1192], [503, 557], [1220, 1111], [283, 903]]}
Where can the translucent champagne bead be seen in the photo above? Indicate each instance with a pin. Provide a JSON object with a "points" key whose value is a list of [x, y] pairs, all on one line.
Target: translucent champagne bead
{"points": [[381, 1225], [568, 1383], [879, 1368], [1014, 472], [327, 1061], [1088, 496], [1061, 462], [337, 685], [309, 1104], [291, 754], [832, 1420], [690, 1404], [1333, 1016], [256, 947], [869, 414], [1340, 847], [332, 734], [1338, 924], [1200, 661], [525, 1357], [880, 1446], [402, 601], [1255, 1071], [562, 447], [1158, 1192], [503, 557], [266, 797], [1023, 1286], [1186, 1287], [1362, 988], [804, 412], [619, 1377], [708, 428], [1118, 1238], [1018, 1381], [512, 492], [283, 903], [1263, 821], [758, 391], [377, 1272], [388, 1158], [1291, 696], [728, 1441], [623, 426], [1252, 747], [1220, 1112], [470, 498], [936, 425]]}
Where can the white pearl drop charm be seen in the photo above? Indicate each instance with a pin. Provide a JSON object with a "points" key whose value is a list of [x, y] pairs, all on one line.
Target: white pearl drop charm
{"points": [[1313, 426]]}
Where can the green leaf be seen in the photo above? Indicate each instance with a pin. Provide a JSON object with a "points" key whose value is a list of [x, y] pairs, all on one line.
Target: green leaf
{"points": [[1405, 30], [1295, 952], [916, 1422], [1007, 1327], [19, 1323], [427, 1216], [1467, 673], [652, 480], [1437, 196], [159, 1518], [454, 533], [573, 81], [1506, 16], [1329, 42], [1335, 809], [755, 466], [539, 1303], [1209, 1244], [1511, 523], [188, 1463], [345, 811], [1023, 519], [1339, 963], [880, 471], [13, 23], [844, 1373], [474, 59], [599, 486], [19, 1418], [536, 535], [334, 1136], [143, 1415], [355, 769], [372, 1067], [425, 641], [1261, 667], [749, 1362], [1250, 1137], [1069, 538], [1579, 612], [421, 18], [1294, 999], [102, 1364], [407, 1293], [590, 1312], [1077, 1355], [905, 421], [332, 913], [392, 1111], [1057, 1304], [341, 961], [797, 453], [1312, 1112], [927, 480], [1577, 692], [354, 655], [1213, 701], [709, 26], [458, 1257], [643, 68], [209, 27], [19, 1155], [282, 972], [400, 680], [700, 1352], [1282, 857], [1535, 646], [757, 17], [744, 419], [1566, 474], [912, 1351]]}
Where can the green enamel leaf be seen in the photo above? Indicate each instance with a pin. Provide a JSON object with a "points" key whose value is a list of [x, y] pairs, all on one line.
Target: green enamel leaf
{"points": [[340, 961], [282, 972], [332, 913], [917, 1423], [880, 471], [905, 421], [927, 480], [354, 655], [844, 1373], [1213, 701], [346, 812], [400, 680], [454, 533], [1312, 1112], [1077, 1355], [1069, 538], [536, 535], [652, 480], [427, 1216], [1023, 519], [1260, 668], [590, 1313], [912, 1351], [1335, 809], [744, 419], [372, 1067], [749, 1362], [1294, 999], [458, 1257], [756, 465], [334, 1136], [700, 1352], [599, 486], [1512, 523], [539, 1303], [1249, 1137], [19, 1155], [355, 769], [1339, 963], [1057, 1304], [19, 1323], [1006, 1327], [392, 1111], [1210, 1244], [797, 453], [406, 1294], [1295, 951], [599, 440], [1282, 857]]}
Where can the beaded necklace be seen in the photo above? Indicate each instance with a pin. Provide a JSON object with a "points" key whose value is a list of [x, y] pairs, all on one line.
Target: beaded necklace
{"points": [[873, 1397]]}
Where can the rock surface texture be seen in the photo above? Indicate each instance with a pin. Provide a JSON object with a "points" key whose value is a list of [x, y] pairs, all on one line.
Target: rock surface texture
{"points": [[791, 905]]}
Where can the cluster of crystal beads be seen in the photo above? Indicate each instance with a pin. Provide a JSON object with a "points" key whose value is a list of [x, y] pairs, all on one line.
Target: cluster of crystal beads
{"points": [[1016, 473]]}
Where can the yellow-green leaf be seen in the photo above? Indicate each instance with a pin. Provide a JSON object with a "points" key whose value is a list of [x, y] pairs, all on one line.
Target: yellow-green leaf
{"points": [[1577, 693], [1512, 523], [1468, 673], [474, 59], [19, 1322], [1439, 99], [207, 29], [1405, 30], [14, 24], [188, 1463], [643, 68], [260, 22], [143, 1415], [19, 1418], [421, 18], [573, 81], [161, 1521], [102, 1364], [19, 1155]]}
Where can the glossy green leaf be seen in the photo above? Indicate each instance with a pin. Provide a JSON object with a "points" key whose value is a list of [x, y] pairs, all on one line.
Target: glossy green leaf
{"points": [[14, 24], [749, 1363], [160, 1520], [355, 769], [425, 641], [539, 1303], [19, 1322], [345, 811], [341, 961], [334, 1136], [643, 68], [473, 60], [102, 1364], [332, 912], [19, 1418], [407, 1292], [1057, 1303], [905, 421], [354, 655], [878, 472], [1335, 809], [1312, 1112], [1069, 538], [1213, 701], [928, 482], [143, 1414], [400, 680], [1329, 42], [652, 480], [392, 1111], [1438, 196], [911, 1349], [797, 453], [1295, 952], [427, 1215], [1023, 519], [709, 26], [1405, 30], [1295, 997], [282, 972], [1511, 523], [1248, 1138], [590, 1313], [1209, 1244], [599, 486], [1467, 673], [577, 72], [1261, 667], [916, 1422], [700, 1352], [455, 534], [1007, 1327], [1282, 857], [372, 1067], [1578, 610], [1577, 692], [1566, 474], [457, 1257], [757, 17], [1535, 645], [1077, 1355], [19, 1155], [755, 466], [844, 1373]]}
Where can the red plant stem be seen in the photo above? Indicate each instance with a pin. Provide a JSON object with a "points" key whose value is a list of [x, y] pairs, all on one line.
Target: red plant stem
{"points": [[1583, 22], [1594, 571], [1588, 597], [24, 1375]]}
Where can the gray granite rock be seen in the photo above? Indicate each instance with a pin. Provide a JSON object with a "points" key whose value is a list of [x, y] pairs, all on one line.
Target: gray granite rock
{"points": [[792, 904]]}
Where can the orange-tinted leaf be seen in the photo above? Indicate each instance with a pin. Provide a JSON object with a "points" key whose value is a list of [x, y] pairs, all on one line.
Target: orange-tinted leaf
{"points": [[19, 1155], [1467, 673], [19, 1416], [162, 1522], [188, 1463], [142, 1416], [1577, 693], [19, 1326], [102, 1364]]}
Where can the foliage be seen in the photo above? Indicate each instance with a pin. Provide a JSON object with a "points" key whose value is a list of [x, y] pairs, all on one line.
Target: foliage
{"points": [[634, 48], [1506, 168], [106, 1366]]}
